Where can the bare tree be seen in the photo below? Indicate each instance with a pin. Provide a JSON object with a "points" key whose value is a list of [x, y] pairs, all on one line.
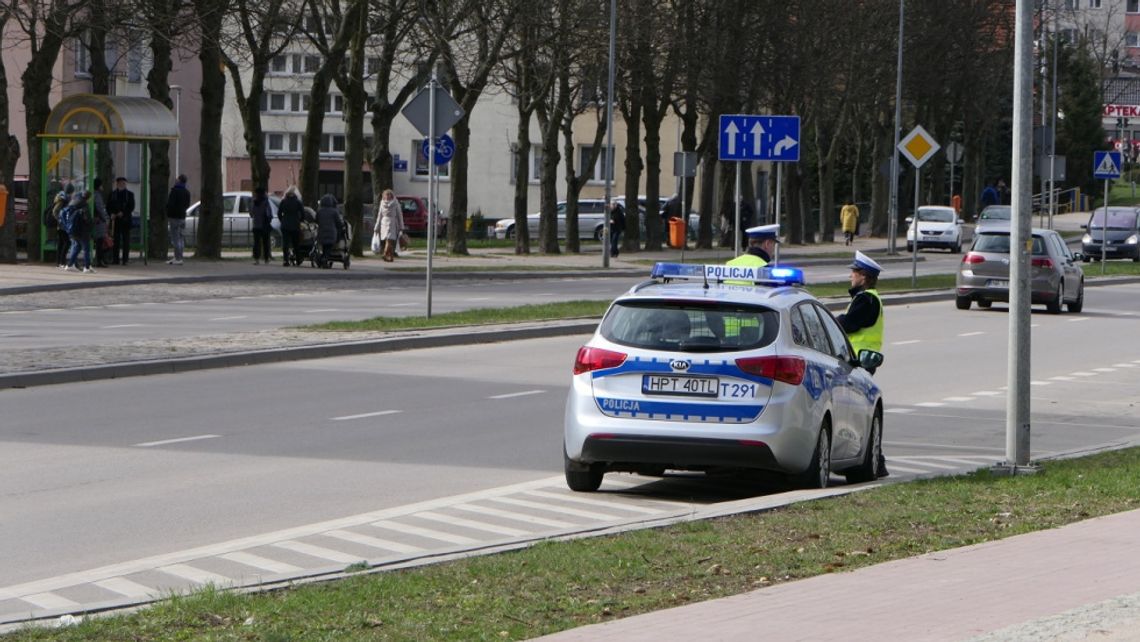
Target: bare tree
{"points": [[9, 154], [210, 18], [163, 22]]}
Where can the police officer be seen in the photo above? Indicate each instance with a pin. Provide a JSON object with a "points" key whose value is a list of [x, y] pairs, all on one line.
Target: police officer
{"points": [[762, 241], [863, 320]]}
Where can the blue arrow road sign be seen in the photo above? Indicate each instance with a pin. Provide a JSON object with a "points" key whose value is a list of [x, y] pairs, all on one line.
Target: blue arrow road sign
{"points": [[444, 149], [1106, 165], [759, 138]]}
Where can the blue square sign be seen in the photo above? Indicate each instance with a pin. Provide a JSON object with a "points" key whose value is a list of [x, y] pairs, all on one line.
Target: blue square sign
{"points": [[746, 137]]}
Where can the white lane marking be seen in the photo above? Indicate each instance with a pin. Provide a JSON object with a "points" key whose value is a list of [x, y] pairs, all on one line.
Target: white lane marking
{"points": [[122, 325], [429, 533], [924, 461], [913, 444], [1040, 383], [1136, 361], [259, 562], [196, 575], [123, 586], [1123, 365], [970, 334], [1078, 319], [546, 294], [899, 411], [472, 524], [506, 514], [592, 502], [1083, 374], [904, 469], [148, 444], [985, 461], [319, 552], [1061, 378], [574, 512], [1105, 369], [985, 393], [322, 310], [903, 343], [517, 394], [233, 318], [402, 305], [366, 540], [930, 404], [958, 399], [478, 298], [49, 601], [378, 413]]}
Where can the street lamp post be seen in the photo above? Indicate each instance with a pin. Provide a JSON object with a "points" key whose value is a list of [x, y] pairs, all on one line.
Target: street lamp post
{"points": [[178, 123], [892, 223], [607, 158]]}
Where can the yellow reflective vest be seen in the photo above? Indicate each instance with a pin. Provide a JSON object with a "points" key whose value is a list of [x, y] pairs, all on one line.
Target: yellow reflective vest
{"points": [[747, 260], [868, 338]]}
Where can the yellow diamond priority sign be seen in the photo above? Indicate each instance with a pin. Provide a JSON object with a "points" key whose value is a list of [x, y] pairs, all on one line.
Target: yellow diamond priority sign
{"points": [[918, 146]]}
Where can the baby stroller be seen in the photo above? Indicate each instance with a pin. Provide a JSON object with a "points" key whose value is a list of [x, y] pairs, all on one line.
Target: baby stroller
{"points": [[340, 250]]}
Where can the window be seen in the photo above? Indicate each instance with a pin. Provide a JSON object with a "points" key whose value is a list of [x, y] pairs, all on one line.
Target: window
{"points": [[332, 144], [296, 59], [134, 162], [1094, 4], [274, 142], [276, 102], [839, 347], [279, 65], [535, 164], [689, 328], [595, 173], [813, 330], [1068, 36], [1131, 39], [135, 61], [295, 143], [1132, 6], [312, 64], [421, 168], [334, 104], [371, 65], [82, 57], [295, 102]]}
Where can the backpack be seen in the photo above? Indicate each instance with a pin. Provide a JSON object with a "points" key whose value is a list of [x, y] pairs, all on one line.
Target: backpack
{"points": [[66, 219]]}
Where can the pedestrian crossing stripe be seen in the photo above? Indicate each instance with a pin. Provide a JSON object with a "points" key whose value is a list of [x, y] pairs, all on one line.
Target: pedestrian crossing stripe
{"points": [[1107, 167]]}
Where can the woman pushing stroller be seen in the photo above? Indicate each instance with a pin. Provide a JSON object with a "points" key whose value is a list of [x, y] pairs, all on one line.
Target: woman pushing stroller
{"points": [[331, 227]]}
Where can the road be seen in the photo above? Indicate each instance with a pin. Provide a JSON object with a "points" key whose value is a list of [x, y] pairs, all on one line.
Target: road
{"points": [[119, 487]]}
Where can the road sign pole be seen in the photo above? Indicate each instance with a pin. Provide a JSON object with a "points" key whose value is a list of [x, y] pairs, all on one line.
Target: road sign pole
{"points": [[914, 245], [779, 194], [736, 208], [1104, 230], [431, 187]]}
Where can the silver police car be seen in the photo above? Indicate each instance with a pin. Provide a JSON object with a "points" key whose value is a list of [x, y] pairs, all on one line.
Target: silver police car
{"points": [[688, 372]]}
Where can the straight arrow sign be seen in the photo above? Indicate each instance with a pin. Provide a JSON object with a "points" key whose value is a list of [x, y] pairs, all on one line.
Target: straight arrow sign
{"points": [[757, 131], [732, 131]]}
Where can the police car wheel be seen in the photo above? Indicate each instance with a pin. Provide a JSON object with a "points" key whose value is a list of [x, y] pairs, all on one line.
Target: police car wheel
{"points": [[868, 469], [581, 478], [818, 472]]}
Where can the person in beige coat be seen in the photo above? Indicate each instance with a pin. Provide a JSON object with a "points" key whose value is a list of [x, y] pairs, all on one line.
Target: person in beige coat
{"points": [[389, 224]]}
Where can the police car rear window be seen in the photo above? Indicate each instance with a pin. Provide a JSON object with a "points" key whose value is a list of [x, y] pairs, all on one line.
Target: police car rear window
{"points": [[681, 327]]}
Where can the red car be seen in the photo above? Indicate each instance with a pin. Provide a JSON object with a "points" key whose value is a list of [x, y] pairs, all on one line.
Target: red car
{"points": [[415, 216]]}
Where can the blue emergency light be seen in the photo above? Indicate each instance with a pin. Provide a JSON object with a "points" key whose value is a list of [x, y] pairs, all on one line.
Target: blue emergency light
{"points": [[776, 275]]}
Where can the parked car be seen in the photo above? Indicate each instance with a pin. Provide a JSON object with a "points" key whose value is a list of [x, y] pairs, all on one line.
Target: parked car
{"points": [[1056, 277], [937, 226], [1122, 233], [685, 372], [995, 213], [591, 221], [415, 216], [237, 226]]}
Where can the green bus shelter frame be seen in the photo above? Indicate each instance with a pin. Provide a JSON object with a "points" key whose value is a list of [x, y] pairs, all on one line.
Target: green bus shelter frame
{"points": [[79, 122]]}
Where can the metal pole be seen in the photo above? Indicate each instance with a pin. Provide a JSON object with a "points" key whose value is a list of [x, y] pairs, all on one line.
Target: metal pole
{"points": [[779, 204], [736, 207], [431, 185], [684, 210], [1018, 366], [952, 186], [914, 244], [1104, 230], [178, 125], [608, 156], [893, 222], [1053, 126]]}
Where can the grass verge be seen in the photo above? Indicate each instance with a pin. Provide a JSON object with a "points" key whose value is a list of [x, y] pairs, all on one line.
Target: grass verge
{"points": [[559, 585]]}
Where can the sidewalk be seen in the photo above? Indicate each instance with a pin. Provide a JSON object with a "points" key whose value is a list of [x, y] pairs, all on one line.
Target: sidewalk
{"points": [[1078, 582]]}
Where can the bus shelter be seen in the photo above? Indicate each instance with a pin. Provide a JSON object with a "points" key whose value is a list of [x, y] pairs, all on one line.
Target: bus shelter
{"points": [[76, 126]]}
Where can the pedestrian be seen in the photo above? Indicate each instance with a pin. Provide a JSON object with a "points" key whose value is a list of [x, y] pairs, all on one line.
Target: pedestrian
{"points": [[863, 320], [121, 205], [261, 224], [291, 211], [617, 227], [1003, 192], [389, 224], [330, 225], [62, 238], [176, 205], [747, 218], [990, 195], [849, 221], [100, 229], [78, 217]]}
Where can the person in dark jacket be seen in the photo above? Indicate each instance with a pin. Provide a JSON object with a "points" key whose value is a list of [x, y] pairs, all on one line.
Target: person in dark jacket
{"points": [[617, 226], [261, 225], [291, 211], [121, 205], [176, 205], [62, 238], [329, 225], [80, 232]]}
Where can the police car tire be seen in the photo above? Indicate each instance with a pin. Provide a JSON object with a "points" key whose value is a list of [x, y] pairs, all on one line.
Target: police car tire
{"points": [[868, 469], [581, 478], [819, 470]]}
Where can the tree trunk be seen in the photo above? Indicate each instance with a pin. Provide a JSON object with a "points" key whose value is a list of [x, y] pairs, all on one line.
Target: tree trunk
{"points": [[355, 96], [522, 177], [314, 129], [548, 185], [210, 137], [654, 230], [631, 114], [158, 86]]}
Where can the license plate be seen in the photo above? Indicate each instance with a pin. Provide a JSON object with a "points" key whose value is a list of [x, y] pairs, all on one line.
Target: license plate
{"points": [[997, 283], [930, 238], [681, 385]]}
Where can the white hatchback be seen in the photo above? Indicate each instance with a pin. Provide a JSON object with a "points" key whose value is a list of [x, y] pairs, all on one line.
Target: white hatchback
{"points": [[708, 376], [937, 226]]}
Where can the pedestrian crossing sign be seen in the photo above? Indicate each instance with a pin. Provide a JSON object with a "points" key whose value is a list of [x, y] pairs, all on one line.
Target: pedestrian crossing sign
{"points": [[1106, 165]]}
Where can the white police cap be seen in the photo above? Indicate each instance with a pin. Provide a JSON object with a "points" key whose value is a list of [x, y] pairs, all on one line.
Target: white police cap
{"points": [[864, 263], [763, 232]]}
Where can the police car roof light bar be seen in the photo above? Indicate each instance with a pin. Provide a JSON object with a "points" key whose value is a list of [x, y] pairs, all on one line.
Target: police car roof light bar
{"points": [[779, 275]]}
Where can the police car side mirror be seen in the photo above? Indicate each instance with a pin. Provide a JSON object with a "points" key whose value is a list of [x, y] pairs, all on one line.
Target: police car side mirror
{"points": [[869, 359]]}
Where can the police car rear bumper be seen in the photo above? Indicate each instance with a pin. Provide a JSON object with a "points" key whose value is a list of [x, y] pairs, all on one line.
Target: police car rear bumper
{"points": [[631, 452]]}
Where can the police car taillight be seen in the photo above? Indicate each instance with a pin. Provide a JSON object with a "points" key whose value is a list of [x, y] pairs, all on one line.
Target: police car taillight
{"points": [[590, 359], [786, 369]]}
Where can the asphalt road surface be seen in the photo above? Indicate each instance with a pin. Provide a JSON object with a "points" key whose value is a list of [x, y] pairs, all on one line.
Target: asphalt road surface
{"points": [[113, 489]]}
